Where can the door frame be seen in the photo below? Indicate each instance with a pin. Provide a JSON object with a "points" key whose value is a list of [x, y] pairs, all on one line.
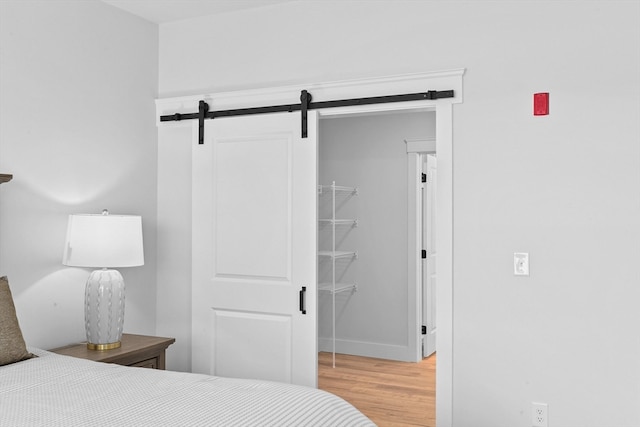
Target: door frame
{"points": [[411, 83]]}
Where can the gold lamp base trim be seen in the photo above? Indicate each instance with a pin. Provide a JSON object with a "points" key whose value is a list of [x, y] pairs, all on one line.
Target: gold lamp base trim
{"points": [[108, 346]]}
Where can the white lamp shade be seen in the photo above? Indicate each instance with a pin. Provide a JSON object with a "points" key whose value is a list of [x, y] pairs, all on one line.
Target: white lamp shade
{"points": [[104, 241]]}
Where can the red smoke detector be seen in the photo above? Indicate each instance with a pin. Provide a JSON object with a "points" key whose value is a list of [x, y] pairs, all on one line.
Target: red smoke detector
{"points": [[541, 104]]}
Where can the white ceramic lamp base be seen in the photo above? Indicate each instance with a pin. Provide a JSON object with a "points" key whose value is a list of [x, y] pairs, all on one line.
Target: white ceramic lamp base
{"points": [[104, 309]]}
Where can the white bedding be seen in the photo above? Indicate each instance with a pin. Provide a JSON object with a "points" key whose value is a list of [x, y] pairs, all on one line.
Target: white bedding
{"points": [[55, 390]]}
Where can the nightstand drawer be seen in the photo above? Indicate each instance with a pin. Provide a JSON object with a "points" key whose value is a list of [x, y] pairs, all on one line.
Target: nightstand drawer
{"points": [[149, 363]]}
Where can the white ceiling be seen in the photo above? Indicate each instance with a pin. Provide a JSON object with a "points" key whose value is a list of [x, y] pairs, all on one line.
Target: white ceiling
{"points": [[161, 11]]}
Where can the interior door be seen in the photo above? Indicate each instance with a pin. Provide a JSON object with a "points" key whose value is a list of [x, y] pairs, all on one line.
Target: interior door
{"points": [[254, 247], [429, 278]]}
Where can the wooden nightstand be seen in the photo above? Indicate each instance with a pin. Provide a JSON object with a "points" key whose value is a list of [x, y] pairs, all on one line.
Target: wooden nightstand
{"points": [[136, 350]]}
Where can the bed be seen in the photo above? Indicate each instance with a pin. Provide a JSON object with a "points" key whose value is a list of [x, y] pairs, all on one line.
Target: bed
{"points": [[56, 390], [42, 388]]}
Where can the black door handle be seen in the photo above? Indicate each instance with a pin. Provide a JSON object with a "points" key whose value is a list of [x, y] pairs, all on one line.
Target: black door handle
{"points": [[303, 301]]}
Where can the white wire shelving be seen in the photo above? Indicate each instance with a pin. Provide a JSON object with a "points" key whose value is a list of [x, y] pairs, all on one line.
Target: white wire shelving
{"points": [[335, 287]]}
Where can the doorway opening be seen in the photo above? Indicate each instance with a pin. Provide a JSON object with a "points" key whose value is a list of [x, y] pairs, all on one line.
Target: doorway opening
{"points": [[366, 248], [376, 221]]}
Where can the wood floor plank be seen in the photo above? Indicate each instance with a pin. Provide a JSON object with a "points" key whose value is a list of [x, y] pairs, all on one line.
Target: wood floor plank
{"points": [[390, 393]]}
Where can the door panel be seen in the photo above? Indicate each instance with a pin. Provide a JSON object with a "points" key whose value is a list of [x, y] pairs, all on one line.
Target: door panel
{"points": [[254, 246], [240, 336], [253, 207]]}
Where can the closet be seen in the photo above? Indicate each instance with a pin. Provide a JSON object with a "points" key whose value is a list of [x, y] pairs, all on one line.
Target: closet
{"points": [[363, 300]]}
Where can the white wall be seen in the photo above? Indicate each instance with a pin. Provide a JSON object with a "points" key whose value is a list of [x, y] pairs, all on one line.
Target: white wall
{"points": [[174, 243], [369, 152], [564, 187], [77, 130]]}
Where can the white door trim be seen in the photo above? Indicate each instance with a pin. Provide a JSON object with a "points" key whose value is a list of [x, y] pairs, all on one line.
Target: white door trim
{"points": [[444, 266], [421, 146], [412, 83]]}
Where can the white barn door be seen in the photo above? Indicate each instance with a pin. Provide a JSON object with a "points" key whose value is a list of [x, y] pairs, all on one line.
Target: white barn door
{"points": [[254, 249]]}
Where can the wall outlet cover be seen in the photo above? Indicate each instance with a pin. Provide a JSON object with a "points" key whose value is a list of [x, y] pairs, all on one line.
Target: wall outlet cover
{"points": [[539, 414]]}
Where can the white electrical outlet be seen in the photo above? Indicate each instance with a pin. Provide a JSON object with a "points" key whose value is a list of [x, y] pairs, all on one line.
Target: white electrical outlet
{"points": [[521, 263], [539, 414]]}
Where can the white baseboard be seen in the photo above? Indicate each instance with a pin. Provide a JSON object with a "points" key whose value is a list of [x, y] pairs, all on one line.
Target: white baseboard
{"points": [[367, 349]]}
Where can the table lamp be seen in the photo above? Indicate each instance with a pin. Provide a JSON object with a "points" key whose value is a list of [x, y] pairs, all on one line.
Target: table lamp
{"points": [[104, 241]]}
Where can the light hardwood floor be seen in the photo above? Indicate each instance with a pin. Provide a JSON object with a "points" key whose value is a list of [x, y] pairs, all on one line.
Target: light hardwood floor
{"points": [[391, 394]]}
